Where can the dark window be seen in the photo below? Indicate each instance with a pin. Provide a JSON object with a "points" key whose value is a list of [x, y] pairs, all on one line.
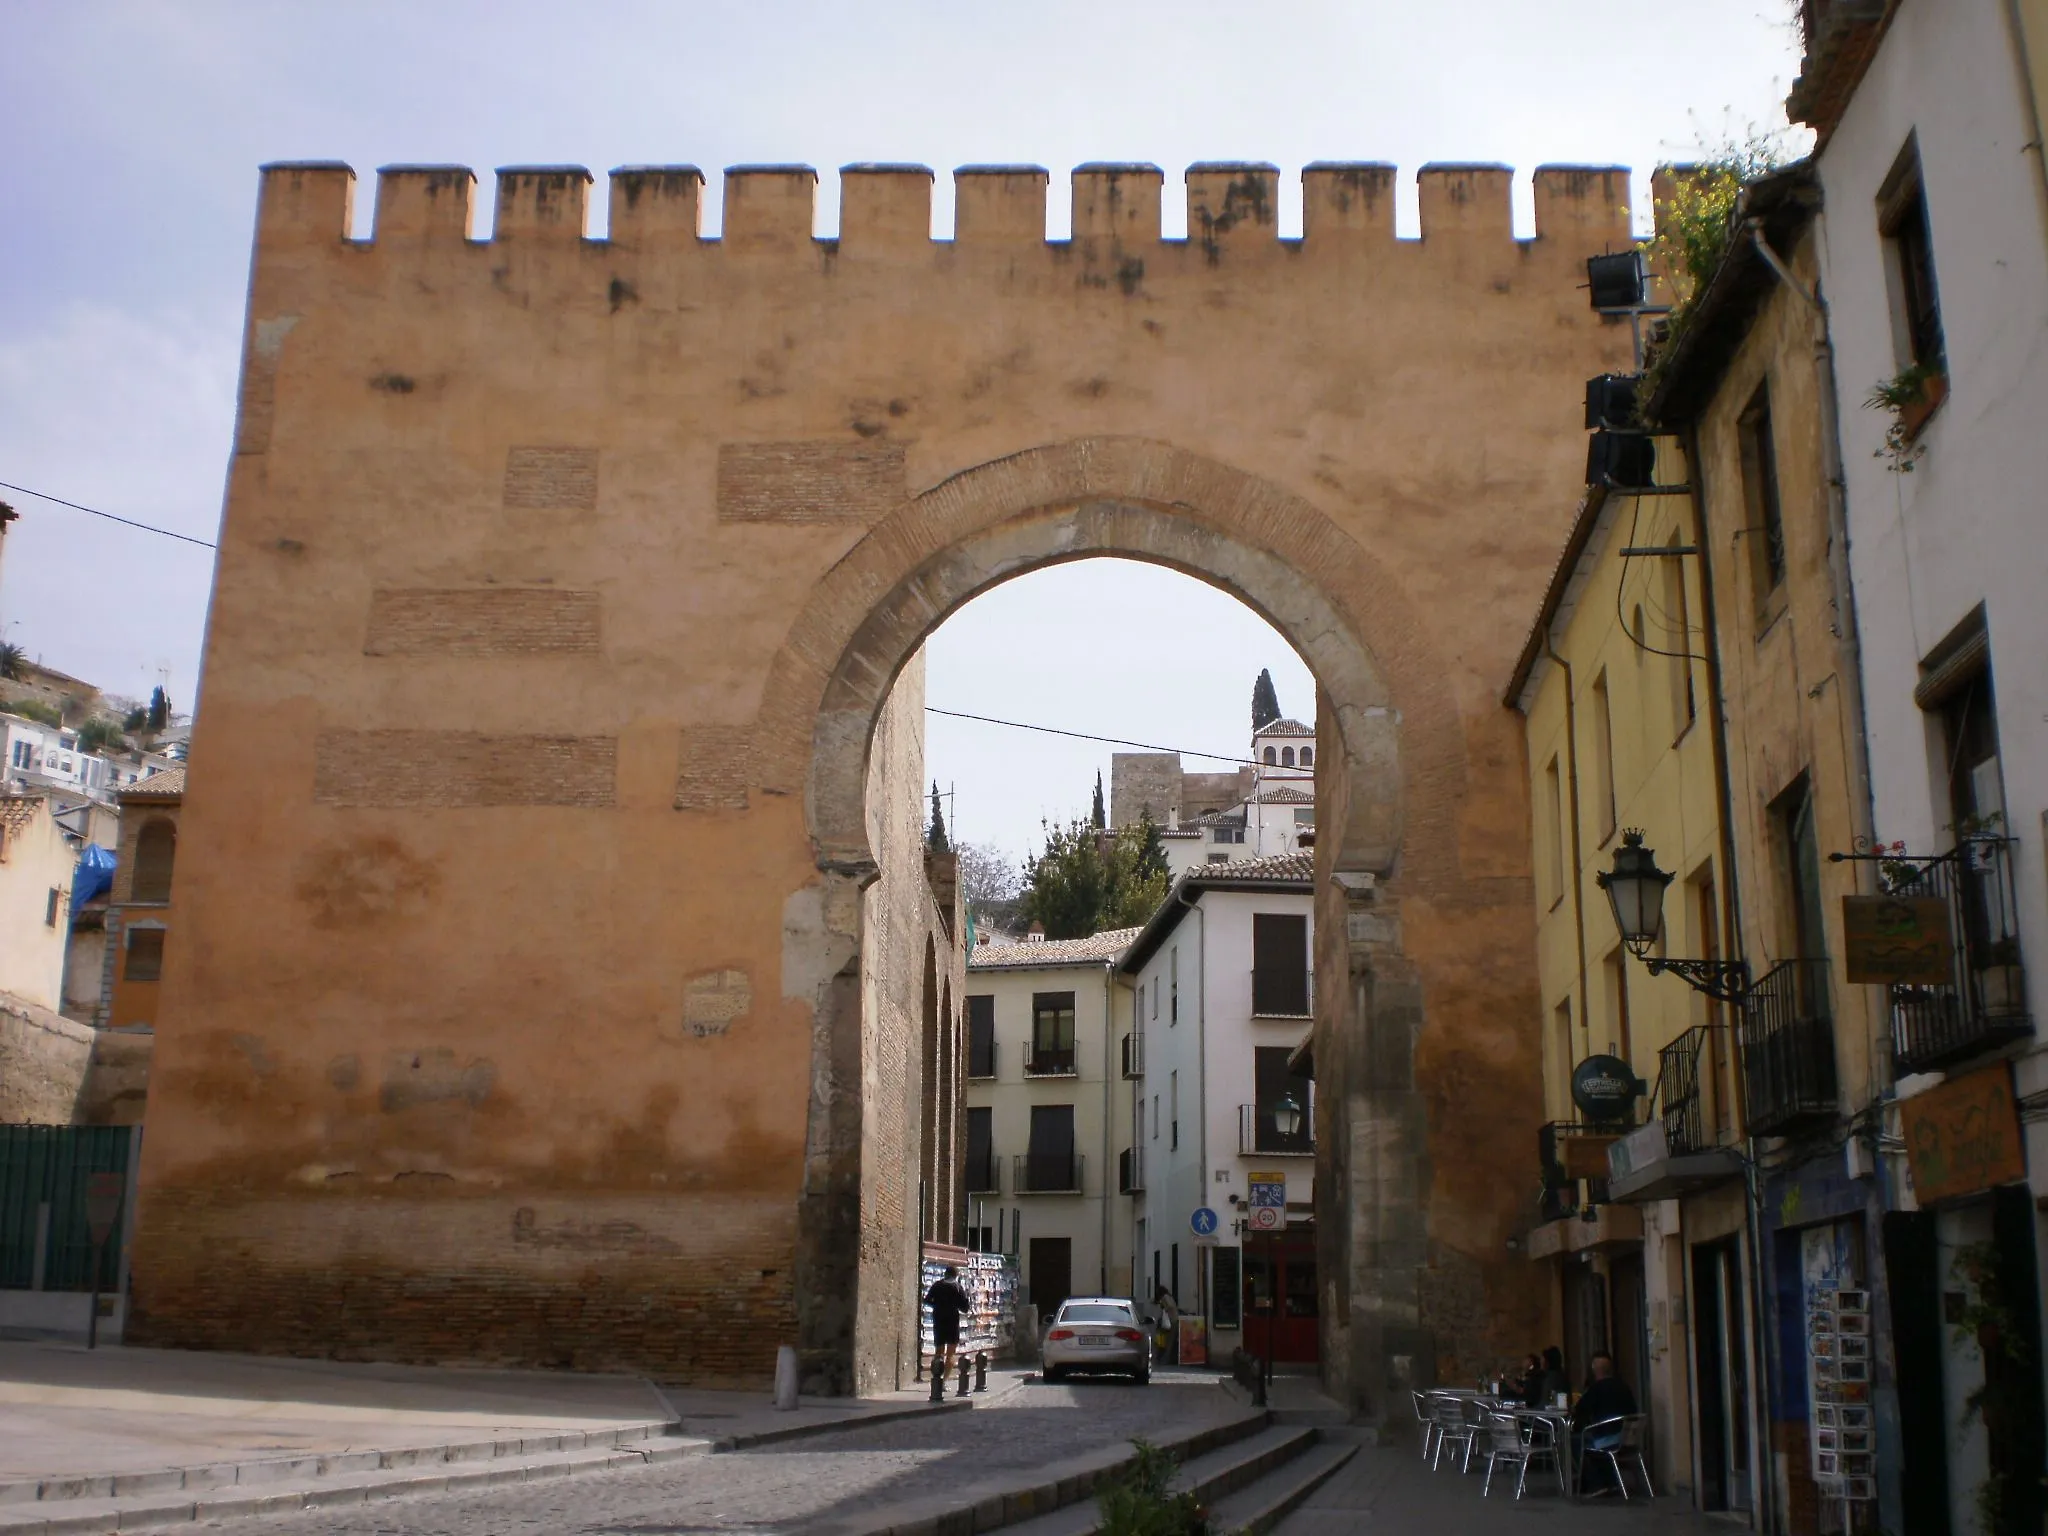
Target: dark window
{"points": [[1308, 757], [1766, 530], [981, 1159], [1903, 219], [981, 1036], [1219, 858], [1052, 1273], [1173, 1275], [1052, 1033], [1050, 1161], [1275, 1082], [1280, 963], [1603, 757], [1976, 802], [1287, 757], [156, 849], [145, 955], [1270, 757], [50, 910], [1803, 899]]}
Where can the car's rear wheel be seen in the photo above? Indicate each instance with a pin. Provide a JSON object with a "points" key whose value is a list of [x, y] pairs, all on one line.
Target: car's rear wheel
{"points": [[1142, 1376]]}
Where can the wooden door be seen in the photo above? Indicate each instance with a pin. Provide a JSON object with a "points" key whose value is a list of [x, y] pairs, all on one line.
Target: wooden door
{"points": [[1052, 1273]]}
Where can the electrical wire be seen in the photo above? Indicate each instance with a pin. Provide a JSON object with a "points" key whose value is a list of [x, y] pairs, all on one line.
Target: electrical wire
{"points": [[1114, 741], [126, 522]]}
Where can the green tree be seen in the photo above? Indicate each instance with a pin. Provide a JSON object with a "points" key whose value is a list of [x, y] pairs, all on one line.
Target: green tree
{"points": [[1265, 701], [13, 660], [34, 709], [1136, 877], [100, 734], [135, 719], [1085, 881], [159, 711], [1098, 816], [935, 835]]}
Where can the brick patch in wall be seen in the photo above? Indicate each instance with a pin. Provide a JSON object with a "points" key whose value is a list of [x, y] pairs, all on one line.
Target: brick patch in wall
{"points": [[809, 482], [459, 769], [712, 1002], [480, 622], [713, 769], [551, 479]]}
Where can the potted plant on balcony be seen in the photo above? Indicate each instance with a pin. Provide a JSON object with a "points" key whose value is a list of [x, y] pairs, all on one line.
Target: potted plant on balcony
{"points": [[1910, 396]]}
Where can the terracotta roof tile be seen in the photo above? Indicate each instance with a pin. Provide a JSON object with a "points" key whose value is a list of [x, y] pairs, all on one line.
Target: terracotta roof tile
{"points": [[1095, 949], [167, 785], [1275, 866], [1285, 728], [1287, 794]]}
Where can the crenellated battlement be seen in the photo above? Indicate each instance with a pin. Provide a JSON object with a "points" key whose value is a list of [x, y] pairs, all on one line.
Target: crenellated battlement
{"points": [[1232, 207]]}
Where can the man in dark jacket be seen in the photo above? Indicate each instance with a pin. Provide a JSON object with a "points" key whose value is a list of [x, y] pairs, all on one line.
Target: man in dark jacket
{"points": [[949, 1304], [1606, 1397]]}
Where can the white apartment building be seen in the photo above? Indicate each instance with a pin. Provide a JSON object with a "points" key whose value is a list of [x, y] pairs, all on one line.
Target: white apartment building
{"points": [[1220, 1002], [46, 757], [1269, 802], [1044, 1119], [1934, 275]]}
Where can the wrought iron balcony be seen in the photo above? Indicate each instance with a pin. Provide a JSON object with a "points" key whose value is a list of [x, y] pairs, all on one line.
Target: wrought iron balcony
{"points": [[1788, 1049], [1049, 1060], [1047, 1173], [1983, 1004], [1283, 994], [981, 1059], [1257, 1137], [984, 1174], [1130, 1171], [1134, 1053], [1678, 1092]]}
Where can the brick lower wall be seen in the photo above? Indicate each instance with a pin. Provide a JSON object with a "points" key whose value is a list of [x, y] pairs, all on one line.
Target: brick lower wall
{"points": [[694, 1289]]}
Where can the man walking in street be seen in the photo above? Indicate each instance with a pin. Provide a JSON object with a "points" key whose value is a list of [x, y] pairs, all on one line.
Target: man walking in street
{"points": [[949, 1304]]}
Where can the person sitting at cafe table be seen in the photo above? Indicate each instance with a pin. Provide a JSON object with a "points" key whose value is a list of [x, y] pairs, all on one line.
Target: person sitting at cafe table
{"points": [[1606, 1397], [1528, 1382], [1550, 1382]]}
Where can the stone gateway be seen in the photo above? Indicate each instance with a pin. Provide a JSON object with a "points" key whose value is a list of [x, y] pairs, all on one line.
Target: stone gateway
{"points": [[560, 977]]}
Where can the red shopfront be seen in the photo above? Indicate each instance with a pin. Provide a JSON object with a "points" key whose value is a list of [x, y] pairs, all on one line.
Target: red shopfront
{"points": [[1281, 1264]]}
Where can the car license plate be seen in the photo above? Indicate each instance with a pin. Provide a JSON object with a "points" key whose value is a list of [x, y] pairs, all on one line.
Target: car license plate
{"points": [[1096, 1341]]}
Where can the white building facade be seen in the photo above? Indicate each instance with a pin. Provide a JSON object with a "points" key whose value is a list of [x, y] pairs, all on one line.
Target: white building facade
{"points": [[1221, 1002], [1935, 279], [1045, 1117]]}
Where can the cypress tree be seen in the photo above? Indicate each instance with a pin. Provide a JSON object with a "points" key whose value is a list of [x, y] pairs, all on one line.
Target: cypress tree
{"points": [[935, 835], [1099, 816], [1265, 701]]}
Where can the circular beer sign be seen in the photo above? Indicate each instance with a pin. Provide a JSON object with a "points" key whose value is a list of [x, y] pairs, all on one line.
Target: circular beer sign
{"points": [[1604, 1088]]}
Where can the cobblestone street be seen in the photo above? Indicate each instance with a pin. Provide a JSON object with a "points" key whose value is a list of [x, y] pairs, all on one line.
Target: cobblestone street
{"points": [[847, 1480]]}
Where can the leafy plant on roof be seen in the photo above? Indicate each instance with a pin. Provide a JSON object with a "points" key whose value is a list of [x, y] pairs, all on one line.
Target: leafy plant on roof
{"points": [[1906, 397], [35, 709], [100, 734], [1694, 223], [13, 663]]}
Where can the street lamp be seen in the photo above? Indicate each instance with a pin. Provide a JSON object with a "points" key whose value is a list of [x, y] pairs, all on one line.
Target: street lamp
{"points": [[1635, 889], [1287, 1117]]}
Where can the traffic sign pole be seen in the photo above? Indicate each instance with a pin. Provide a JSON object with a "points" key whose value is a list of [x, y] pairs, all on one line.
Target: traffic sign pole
{"points": [[103, 1192]]}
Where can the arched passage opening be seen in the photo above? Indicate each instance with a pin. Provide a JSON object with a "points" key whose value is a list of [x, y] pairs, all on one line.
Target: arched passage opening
{"points": [[1384, 720]]}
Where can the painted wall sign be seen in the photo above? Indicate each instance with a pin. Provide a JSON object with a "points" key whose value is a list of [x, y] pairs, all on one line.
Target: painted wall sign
{"points": [[1897, 938], [1964, 1136], [1604, 1088]]}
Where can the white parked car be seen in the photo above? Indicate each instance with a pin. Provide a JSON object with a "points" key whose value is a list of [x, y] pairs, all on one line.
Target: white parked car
{"points": [[1096, 1334]]}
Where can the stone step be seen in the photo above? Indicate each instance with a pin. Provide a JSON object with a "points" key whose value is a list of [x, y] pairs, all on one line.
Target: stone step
{"points": [[1060, 1498], [1257, 1509], [1237, 1469], [331, 1487], [212, 1477]]}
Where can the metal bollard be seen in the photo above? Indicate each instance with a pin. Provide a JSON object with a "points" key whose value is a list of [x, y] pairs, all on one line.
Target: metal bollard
{"points": [[963, 1377], [981, 1372], [785, 1380], [938, 1382]]}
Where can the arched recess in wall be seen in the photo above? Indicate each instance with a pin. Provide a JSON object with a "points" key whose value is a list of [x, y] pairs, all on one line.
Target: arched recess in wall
{"points": [[156, 853]]}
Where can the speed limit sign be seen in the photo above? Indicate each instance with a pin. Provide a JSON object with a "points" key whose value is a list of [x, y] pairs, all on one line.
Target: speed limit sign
{"points": [[1267, 1202]]}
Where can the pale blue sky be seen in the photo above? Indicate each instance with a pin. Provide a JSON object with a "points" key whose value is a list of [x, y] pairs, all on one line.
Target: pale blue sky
{"points": [[130, 133]]}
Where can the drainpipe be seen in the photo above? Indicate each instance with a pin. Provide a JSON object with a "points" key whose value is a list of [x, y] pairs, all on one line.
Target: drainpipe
{"points": [[1571, 754], [1763, 1463]]}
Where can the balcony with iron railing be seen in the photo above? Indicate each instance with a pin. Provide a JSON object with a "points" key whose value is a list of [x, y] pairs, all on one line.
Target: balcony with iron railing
{"points": [[1047, 1173], [1680, 1101], [1258, 1137], [1788, 1049], [1050, 1060], [1982, 1005], [984, 1173], [1134, 1054], [1572, 1156], [1679, 1148], [1130, 1171], [981, 1060], [1282, 994]]}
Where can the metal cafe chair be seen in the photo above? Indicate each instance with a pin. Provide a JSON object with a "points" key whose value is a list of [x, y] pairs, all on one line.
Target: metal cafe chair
{"points": [[1453, 1429], [1504, 1443], [1628, 1447], [1428, 1423]]}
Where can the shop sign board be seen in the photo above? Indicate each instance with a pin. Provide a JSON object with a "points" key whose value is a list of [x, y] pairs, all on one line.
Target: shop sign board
{"points": [[1897, 939], [1964, 1137], [1605, 1088]]}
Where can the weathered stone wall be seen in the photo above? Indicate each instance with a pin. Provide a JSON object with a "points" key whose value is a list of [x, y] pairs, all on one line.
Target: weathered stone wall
{"points": [[1142, 783], [43, 1061], [469, 1059]]}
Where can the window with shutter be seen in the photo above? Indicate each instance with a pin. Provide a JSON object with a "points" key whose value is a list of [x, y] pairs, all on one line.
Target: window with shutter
{"points": [[156, 850], [145, 955]]}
